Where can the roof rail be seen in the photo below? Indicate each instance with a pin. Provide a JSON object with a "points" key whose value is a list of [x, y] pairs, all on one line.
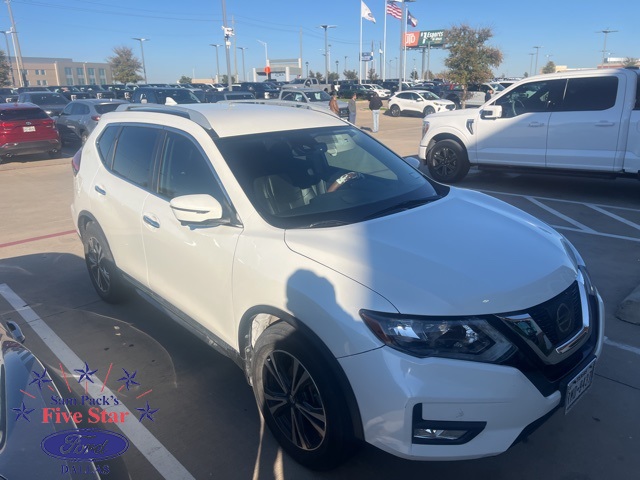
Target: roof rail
{"points": [[282, 103], [177, 110]]}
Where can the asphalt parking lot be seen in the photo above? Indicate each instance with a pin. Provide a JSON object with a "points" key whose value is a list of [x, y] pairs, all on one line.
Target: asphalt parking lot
{"points": [[206, 424]]}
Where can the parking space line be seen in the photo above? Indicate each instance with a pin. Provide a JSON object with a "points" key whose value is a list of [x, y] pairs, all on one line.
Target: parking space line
{"points": [[560, 215], [622, 346], [156, 453], [34, 239], [613, 215], [599, 234]]}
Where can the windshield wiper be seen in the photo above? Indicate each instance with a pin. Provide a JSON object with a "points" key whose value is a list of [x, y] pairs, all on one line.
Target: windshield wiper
{"points": [[402, 206], [327, 223]]}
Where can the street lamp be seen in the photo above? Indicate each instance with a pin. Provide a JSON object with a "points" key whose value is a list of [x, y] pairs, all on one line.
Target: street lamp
{"points": [[307, 64], [266, 55], [217, 60], [326, 50], [345, 63], [244, 72], [537, 47], [13, 79], [338, 68], [531, 63], [606, 32], [144, 67]]}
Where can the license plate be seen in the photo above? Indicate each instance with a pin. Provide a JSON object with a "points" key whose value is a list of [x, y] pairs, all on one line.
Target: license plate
{"points": [[578, 386], [28, 129]]}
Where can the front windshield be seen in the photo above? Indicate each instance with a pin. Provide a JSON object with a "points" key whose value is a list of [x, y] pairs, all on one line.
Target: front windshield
{"points": [[44, 99], [323, 177], [429, 95]]}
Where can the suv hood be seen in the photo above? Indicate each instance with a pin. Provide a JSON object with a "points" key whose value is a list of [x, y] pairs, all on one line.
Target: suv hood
{"points": [[466, 254]]}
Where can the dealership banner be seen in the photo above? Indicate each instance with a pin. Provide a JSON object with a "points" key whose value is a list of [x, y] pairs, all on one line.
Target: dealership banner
{"points": [[424, 39]]}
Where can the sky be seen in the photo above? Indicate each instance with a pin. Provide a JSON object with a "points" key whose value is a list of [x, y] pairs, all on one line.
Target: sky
{"points": [[568, 32]]}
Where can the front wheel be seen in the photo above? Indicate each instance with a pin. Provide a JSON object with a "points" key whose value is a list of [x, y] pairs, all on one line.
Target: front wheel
{"points": [[447, 161], [395, 111], [429, 110], [300, 400]]}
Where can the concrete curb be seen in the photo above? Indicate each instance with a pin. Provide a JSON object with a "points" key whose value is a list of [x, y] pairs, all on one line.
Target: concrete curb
{"points": [[629, 308]]}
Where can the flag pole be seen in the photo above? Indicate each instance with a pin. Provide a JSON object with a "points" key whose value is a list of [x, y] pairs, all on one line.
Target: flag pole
{"points": [[360, 52], [384, 48]]}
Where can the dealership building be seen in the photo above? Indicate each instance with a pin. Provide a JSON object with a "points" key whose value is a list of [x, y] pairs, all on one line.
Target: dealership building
{"points": [[42, 71]]}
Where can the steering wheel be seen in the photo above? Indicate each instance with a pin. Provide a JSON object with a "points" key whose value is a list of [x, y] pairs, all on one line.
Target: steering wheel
{"points": [[517, 107], [347, 177]]}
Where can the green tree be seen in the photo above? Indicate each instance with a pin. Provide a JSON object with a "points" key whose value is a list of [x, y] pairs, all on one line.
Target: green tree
{"points": [[470, 60], [630, 62], [414, 75], [350, 74], [5, 70], [372, 75], [550, 67], [124, 65], [333, 77], [185, 79], [319, 76]]}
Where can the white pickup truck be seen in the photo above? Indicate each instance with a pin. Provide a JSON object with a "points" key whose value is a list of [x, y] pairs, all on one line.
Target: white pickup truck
{"points": [[576, 122]]}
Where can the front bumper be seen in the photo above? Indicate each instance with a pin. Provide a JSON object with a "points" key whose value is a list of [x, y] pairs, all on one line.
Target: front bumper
{"points": [[499, 401]]}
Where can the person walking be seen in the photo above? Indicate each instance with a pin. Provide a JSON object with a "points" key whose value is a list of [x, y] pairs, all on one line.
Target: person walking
{"points": [[333, 105], [353, 108], [375, 104]]}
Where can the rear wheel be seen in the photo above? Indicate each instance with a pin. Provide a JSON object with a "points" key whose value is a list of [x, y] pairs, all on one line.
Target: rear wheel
{"points": [[105, 276], [395, 111], [300, 400], [55, 153], [447, 161]]}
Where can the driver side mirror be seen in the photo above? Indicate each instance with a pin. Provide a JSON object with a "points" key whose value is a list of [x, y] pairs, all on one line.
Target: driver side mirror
{"points": [[198, 209], [491, 112]]}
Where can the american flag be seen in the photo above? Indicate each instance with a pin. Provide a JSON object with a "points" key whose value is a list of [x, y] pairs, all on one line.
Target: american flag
{"points": [[394, 10]]}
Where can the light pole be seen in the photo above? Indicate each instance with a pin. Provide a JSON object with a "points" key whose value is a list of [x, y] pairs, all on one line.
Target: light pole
{"points": [[606, 32], [531, 63], [217, 61], [537, 47], [338, 68], [144, 66], [345, 63], [307, 64], [326, 51], [13, 79], [244, 72], [266, 54]]}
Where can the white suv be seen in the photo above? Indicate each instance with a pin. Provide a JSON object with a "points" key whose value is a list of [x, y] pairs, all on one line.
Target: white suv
{"points": [[339, 278]]}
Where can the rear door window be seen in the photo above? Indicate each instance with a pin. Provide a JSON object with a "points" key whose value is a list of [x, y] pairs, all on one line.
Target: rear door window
{"points": [[590, 94], [134, 155]]}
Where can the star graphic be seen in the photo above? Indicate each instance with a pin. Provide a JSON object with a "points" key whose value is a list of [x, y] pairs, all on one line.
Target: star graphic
{"points": [[86, 373], [23, 412], [39, 379], [128, 378], [147, 412]]}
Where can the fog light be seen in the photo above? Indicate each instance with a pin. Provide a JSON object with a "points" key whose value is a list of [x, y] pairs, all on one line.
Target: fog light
{"points": [[442, 432]]}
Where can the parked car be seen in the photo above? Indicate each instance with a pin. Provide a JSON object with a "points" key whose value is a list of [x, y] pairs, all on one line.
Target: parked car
{"points": [[8, 95], [22, 404], [31, 89], [169, 96], [418, 101], [574, 122], [361, 91], [383, 93], [25, 129], [52, 103], [70, 92], [312, 96], [215, 96], [97, 91], [123, 92], [340, 279], [259, 89], [79, 118]]}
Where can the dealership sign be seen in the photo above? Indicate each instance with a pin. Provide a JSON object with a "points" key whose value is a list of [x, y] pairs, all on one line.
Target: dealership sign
{"points": [[424, 39]]}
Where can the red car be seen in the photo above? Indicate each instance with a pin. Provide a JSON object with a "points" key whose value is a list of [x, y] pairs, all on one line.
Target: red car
{"points": [[25, 128]]}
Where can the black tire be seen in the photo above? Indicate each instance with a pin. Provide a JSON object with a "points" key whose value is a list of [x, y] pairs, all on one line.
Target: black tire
{"points": [[395, 111], [429, 110], [56, 153], [312, 424], [105, 276], [447, 161]]}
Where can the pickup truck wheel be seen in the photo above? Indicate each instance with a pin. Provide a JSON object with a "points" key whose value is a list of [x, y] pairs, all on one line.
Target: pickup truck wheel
{"points": [[299, 398], [429, 110], [395, 111], [105, 276], [447, 161]]}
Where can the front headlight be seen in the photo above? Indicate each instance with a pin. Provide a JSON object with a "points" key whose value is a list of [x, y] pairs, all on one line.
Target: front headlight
{"points": [[469, 338]]}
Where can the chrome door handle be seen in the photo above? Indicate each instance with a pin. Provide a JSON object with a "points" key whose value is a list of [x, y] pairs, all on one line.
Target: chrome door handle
{"points": [[536, 124], [151, 220], [100, 190]]}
